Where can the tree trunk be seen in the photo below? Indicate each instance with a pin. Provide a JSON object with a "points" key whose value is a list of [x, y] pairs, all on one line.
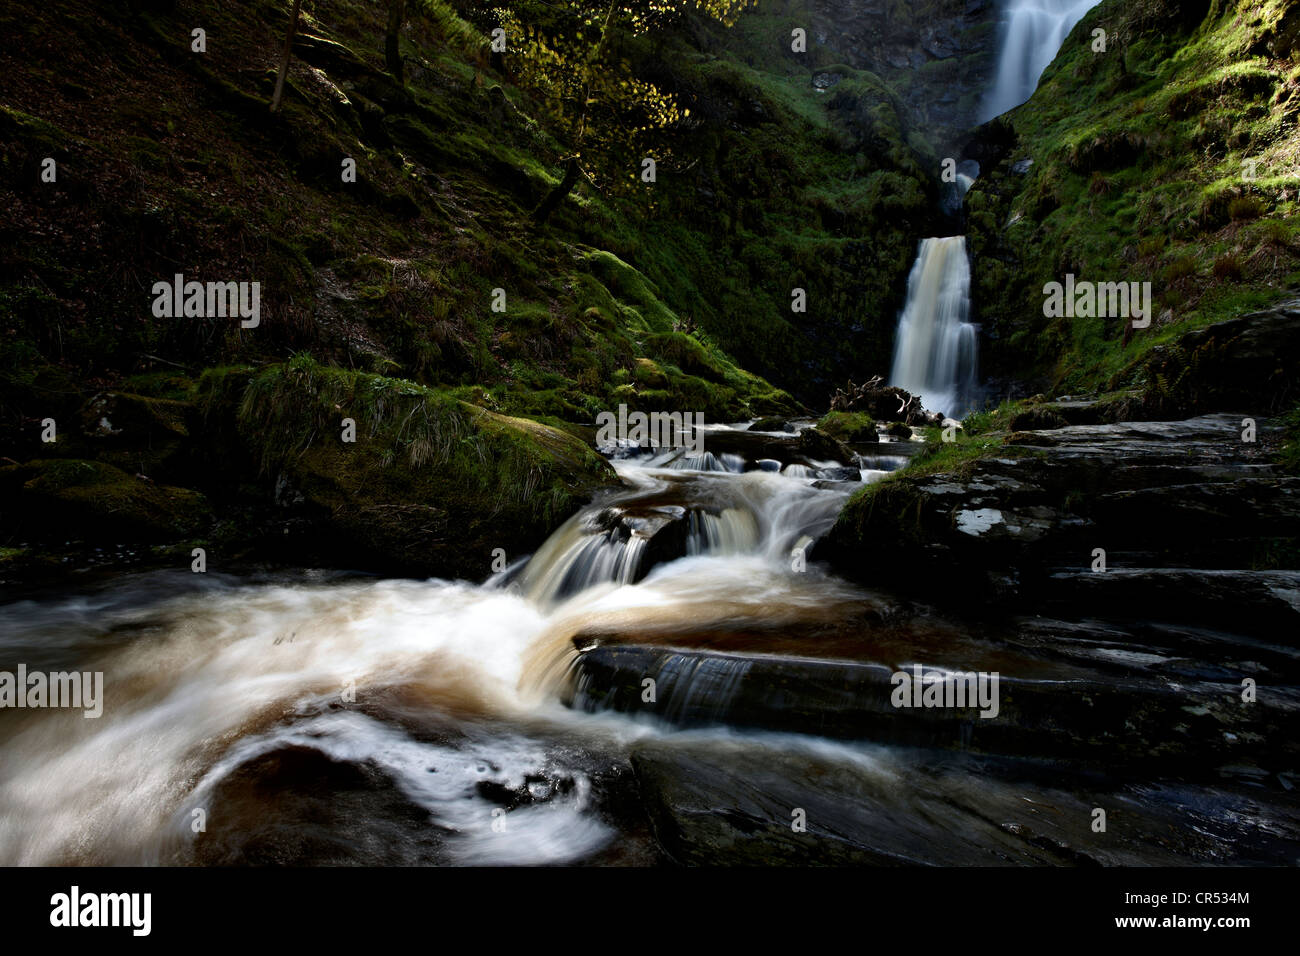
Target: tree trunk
{"points": [[284, 60], [392, 52], [556, 195]]}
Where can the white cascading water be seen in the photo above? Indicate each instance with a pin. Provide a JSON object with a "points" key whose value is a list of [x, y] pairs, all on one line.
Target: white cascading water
{"points": [[1032, 34], [936, 349], [454, 684]]}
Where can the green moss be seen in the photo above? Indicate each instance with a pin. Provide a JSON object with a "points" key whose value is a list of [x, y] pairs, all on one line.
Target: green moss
{"points": [[648, 373], [986, 420], [662, 305], [95, 500], [487, 474], [848, 426], [889, 504], [1166, 160], [165, 385], [957, 458]]}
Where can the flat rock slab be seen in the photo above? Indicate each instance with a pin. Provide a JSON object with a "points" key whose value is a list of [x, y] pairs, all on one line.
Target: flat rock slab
{"points": [[1104, 717], [1185, 494], [742, 801]]}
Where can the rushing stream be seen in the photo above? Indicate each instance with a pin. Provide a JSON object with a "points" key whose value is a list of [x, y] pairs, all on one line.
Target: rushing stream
{"points": [[321, 718], [220, 691], [329, 718]]}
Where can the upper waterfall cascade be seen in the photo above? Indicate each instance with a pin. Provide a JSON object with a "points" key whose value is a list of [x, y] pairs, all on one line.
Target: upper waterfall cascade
{"points": [[936, 348], [1032, 33]]}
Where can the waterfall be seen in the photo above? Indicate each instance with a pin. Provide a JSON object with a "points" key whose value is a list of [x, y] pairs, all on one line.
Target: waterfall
{"points": [[1032, 34], [716, 514], [954, 193], [936, 348]]}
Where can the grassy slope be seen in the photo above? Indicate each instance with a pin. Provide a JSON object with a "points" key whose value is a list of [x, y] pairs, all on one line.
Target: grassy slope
{"points": [[792, 187], [1138, 159], [170, 162], [1137, 176]]}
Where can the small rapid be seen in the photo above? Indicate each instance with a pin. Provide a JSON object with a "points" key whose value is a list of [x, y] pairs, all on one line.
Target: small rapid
{"points": [[438, 699]]}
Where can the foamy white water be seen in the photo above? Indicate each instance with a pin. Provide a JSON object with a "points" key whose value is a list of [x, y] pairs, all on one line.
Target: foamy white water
{"points": [[443, 688], [936, 348], [1032, 32]]}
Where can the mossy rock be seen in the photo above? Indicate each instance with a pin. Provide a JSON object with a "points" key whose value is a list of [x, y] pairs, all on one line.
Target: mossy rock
{"points": [[137, 433], [134, 417], [819, 446], [1038, 418], [430, 485], [649, 374], [97, 501], [851, 427], [771, 423], [165, 384], [899, 430], [775, 402], [677, 348], [888, 510]]}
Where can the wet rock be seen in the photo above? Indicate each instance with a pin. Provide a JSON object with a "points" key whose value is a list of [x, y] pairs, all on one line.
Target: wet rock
{"points": [[298, 807], [737, 802], [815, 445], [1038, 417], [1217, 521], [898, 430], [1189, 493], [774, 424], [840, 474], [928, 52], [1206, 598], [1096, 718], [96, 501], [665, 529], [805, 448], [721, 806], [1243, 360], [1079, 411]]}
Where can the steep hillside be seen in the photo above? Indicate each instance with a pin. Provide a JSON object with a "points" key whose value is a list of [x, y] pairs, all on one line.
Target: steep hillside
{"points": [[673, 295], [1170, 157]]}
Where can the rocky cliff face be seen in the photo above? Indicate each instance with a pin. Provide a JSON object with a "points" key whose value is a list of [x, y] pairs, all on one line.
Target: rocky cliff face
{"points": [[937, 54]]}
